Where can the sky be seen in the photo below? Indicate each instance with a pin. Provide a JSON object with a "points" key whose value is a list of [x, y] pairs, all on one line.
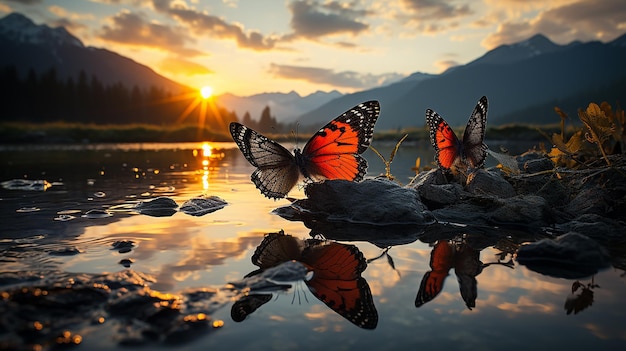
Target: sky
{"points": [[247, 47]]}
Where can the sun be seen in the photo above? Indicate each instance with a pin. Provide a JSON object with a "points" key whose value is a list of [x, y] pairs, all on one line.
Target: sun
{"points": [[206, 92]]}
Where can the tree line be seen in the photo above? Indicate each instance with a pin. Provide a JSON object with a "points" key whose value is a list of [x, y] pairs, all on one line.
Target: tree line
{"points": [[46, 97]]}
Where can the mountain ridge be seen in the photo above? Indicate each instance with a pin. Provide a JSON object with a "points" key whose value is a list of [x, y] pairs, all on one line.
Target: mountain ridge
{"points": [[27, 46], [514, 77]]}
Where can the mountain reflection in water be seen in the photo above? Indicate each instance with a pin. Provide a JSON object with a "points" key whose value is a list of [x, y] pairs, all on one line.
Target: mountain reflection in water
{"points": [[139, 279]]}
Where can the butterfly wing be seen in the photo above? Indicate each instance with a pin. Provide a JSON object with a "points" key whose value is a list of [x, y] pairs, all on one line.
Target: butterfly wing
{"points": [[441, 260], [246, 305], [277, 248], [474, 149], [444, 140], [337, 282], [277, 172], [334, 151]]}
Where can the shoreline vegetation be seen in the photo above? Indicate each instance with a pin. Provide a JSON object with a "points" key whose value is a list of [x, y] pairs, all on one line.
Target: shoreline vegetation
{"points": [[73, 133]]}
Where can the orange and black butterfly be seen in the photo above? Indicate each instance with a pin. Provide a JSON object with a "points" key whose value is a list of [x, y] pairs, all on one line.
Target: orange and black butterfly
{"points": [[334, 152], [466, 263], [336, 268], [453, 154]]}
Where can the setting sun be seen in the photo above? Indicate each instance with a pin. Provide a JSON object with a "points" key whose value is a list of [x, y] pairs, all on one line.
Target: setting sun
{"points": [[206, 92]]}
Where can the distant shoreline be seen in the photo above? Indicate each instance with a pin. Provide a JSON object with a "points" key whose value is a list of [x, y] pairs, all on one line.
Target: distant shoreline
{"points": [[72, 133]]}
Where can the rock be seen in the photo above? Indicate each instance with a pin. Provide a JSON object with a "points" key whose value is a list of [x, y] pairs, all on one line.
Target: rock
{"points": [[97, 213], [439, 195], [434, 176], [570, 256], [372, 201], [199, 206], [26, 184], [376, 210], [463, 213], [157, 207], [538, 165], [529, 210], [592, 200], [482, 182]]}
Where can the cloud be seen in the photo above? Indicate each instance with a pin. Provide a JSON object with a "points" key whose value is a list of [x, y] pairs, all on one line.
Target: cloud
{"points": [[443, 65], [432, 16], [26, 2], [583, 20], [202, 23], [69, 20], [177, 65], [311, 20], [436, 10], [346, 79], [132, 29]]}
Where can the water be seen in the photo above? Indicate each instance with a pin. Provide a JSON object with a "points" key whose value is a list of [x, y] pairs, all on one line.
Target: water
{"points": [[515, 308]]}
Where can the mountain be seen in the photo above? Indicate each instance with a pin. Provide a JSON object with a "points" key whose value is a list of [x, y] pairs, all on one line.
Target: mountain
{"points": [[288, 107], [284, 107], [386, 95], [516, 78], [537, 45], [26, 45]]}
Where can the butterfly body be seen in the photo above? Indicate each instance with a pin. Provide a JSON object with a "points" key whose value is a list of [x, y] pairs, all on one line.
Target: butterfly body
{"points": [[333, 152], [454, 154]]}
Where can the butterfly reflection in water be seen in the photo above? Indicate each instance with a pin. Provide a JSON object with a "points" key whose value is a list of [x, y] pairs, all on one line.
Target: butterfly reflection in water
{"points": [[465, 260], [454, 155], [333, 152], [336, 278]]}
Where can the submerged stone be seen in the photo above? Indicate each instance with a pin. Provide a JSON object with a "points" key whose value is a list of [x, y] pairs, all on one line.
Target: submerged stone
{"points": [[26, 184], [97, 213], [157, 207], [199, 206]]}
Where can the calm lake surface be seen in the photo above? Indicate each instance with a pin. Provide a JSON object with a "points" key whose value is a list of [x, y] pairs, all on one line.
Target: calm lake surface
{"points": [[515, 308]]}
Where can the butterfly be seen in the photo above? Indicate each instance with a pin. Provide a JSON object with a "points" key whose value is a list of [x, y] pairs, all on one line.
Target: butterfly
{"points": [[333, 152], [444, 256], [453, 154], [336, 268]]}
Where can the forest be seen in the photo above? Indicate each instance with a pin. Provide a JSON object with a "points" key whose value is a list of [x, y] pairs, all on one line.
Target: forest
{"points": [[47, 98]]}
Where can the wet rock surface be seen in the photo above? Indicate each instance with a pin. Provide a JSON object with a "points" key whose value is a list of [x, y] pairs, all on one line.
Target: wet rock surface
{"points": [[377, 210], [201, 205], [50, 309], [578, 213]]}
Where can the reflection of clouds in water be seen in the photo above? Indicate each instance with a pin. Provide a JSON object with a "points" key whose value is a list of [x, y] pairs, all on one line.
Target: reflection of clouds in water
{"points": [[327, 319], [525, 305], [203, 253], [499, 279]]}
